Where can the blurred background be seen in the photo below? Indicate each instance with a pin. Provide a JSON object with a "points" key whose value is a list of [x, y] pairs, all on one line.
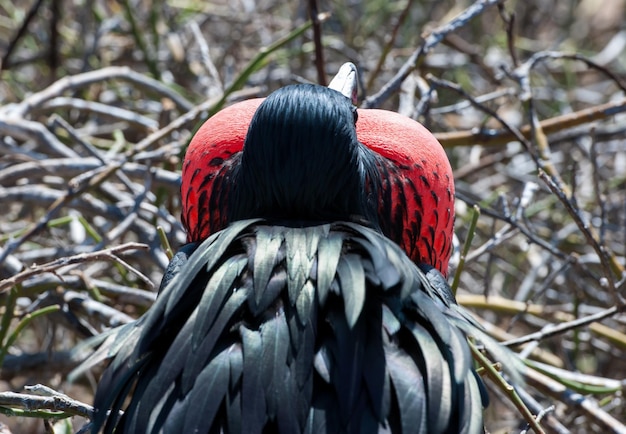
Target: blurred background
{"points": [[98, 100]]}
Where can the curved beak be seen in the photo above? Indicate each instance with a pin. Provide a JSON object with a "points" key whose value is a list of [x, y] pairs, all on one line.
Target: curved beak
{"points": [[346, 81]]}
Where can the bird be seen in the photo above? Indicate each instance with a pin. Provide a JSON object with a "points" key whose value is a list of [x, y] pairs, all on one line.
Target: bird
{"points": [[297, 313], [416, 198]]}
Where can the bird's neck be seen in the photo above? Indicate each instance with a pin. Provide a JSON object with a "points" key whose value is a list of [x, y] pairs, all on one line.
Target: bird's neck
{"points": [[307, 192]]}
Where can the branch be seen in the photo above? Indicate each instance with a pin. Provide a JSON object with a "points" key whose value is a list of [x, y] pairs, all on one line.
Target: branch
{"points": [[61, 404], [106, 254], [78, 81], [490, 137], [431, 40]]}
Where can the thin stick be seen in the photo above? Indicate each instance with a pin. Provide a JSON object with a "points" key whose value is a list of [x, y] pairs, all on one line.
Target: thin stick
{"points": [[490, 137], [110, 254], [317, 40], [431, 40]]}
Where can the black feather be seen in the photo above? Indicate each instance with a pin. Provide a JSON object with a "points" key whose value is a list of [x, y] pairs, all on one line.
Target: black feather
{"points": [[178, 261], [302, 161], [394, 362]]}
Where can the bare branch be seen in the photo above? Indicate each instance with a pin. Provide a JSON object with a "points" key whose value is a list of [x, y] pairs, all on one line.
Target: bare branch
{"points": [[110, 254]]}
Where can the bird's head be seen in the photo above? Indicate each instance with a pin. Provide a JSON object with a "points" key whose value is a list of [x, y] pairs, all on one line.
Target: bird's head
{"points": [[302, 160]]}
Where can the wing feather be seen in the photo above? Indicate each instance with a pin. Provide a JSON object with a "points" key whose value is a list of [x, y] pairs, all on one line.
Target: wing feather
{"points": [[328, 254], [352, 279], [253, 403], [201, 404], [215, 295], [362, 341], [410, 392]]}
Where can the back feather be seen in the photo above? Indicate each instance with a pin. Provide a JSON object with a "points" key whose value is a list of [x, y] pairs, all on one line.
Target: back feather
{"points": [[326, 328]]}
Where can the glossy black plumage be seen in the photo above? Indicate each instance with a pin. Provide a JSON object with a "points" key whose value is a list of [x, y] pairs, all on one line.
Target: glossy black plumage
{"points": [[302, 161], [325, 328]]}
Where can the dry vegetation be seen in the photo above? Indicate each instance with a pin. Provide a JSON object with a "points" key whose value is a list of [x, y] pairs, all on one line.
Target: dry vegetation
{"points": [[98, 100]]}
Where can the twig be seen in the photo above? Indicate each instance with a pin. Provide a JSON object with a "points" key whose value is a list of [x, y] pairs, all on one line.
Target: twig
{"points": [[507, 232], [490, 137], [106, 254], [123, 294], [391, 39], [509, 22], [608, 260], [430, 41], [165, 242], [315, 16], [56, 362], [203, 109], [543, 413], [466, 247], [593, 159], [258, 60], [406, 98], [118, 230], [544, 164], [70, 167], [76, 186], [57, 121], [550, 421], [148, 57], [205, 55], [497, 378], [32, 12], [21, 325], [47, 196], [522, 71], [554, 330], [588, 405], [589, 233], [9, 312], [107, 110], [505, 305], [57, 403], [78, 81], [579, 382], [23, 129], [53, 55], [112, 317]]}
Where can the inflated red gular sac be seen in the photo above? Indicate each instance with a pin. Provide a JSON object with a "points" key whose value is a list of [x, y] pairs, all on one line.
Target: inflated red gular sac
{"points": [[416, 203]]}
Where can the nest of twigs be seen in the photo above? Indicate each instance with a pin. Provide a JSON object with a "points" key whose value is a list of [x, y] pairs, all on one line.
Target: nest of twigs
{"points": [[98, 103]]}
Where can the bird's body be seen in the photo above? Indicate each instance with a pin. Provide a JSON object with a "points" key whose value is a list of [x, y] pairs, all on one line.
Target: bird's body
{"points": [[297, 314]]}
